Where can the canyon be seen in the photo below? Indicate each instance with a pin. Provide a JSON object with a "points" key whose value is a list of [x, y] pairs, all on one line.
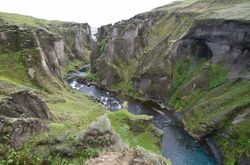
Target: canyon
{"points": [[189, 59]]}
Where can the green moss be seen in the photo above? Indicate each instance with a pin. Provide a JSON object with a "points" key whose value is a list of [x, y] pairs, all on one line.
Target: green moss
{"points": [[192, 80], [126, 73], [91, 76], [217, 75], [215, 108], [135, 131], [101, 46], [239, 140], [72, 66], [184, 75], [12, 68], [25, 20], [234, 10], [126, 87], [174, 25], [219, 105]]}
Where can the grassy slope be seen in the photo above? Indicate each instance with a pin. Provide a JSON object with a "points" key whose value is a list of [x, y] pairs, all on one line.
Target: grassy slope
{"points": [[26, 20], [11, 64], [74, 112], [135, 130]]}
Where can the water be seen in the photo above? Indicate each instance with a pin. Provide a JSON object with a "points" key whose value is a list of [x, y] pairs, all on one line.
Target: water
{"points": [[94, 30], [177, 144]]}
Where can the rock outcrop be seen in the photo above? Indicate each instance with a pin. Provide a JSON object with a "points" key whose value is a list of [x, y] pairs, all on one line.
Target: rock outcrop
{"points": [[14, 131], [102, 145], [24, 104], [100, 134], [21, 116]]}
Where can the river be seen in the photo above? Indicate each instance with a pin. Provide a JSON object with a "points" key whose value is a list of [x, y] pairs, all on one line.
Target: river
{"points": [[177, 145]]}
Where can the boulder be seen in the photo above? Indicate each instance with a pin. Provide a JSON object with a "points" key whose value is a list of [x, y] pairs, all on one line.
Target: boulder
{"points": [[100, 134], [14, 131], [21, 116], [25, 104]]}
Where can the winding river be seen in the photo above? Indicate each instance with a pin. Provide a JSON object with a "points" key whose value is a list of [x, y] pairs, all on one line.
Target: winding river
{"points": [[177, 144]]}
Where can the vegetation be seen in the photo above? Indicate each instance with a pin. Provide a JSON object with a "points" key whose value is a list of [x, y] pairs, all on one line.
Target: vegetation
{"points": [[72, 66], [74, 112], [91, 76], [12, 67], [135, 130], [25, 20], [239, 134], [126, 73]]}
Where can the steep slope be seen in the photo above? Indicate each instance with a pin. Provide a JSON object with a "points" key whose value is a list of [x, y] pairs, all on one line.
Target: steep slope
{"points": [[193, 55]]}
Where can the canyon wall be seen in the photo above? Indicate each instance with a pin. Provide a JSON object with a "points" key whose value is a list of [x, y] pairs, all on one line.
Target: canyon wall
{"points": [[193, 55], [43, 49]]}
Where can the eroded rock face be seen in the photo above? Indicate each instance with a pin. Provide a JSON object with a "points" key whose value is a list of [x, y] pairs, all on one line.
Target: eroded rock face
{"points": [[78, 38], [154, 73], [226, 43], [53, 48], [46, 49], [118, 44], [25, 105], [244, 158], [21, 116], [14, 38]]}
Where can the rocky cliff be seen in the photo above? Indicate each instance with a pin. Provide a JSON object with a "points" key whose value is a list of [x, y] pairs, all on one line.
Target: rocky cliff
{"points": [[193, 55], [41, 48]]}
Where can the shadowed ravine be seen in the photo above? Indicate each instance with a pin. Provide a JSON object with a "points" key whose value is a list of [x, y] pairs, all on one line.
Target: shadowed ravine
{"points": [[177, 144]]}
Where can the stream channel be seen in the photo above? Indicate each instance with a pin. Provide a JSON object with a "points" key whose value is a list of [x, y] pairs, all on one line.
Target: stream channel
{"points": [[177, 145]]}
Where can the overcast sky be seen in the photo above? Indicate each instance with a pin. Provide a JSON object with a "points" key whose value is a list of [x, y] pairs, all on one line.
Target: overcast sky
{"points": [[94, 12]]}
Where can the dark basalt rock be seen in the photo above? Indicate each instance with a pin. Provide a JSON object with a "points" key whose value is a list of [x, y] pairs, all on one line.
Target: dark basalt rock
{"points": [[83, 80], [224, 43], [14, 131], [20, 117], [25, 104], [118, 44]]}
